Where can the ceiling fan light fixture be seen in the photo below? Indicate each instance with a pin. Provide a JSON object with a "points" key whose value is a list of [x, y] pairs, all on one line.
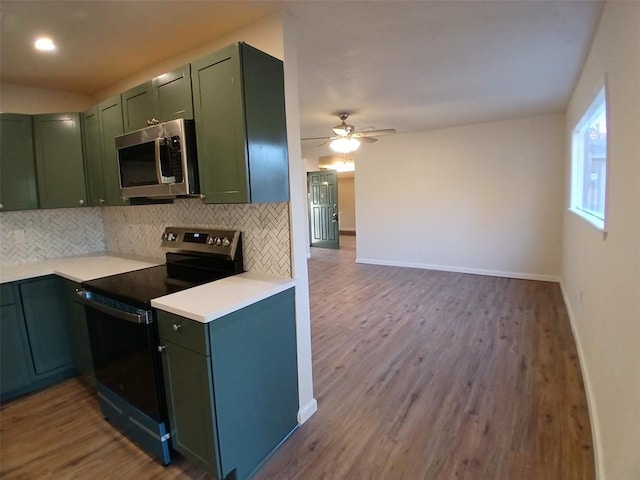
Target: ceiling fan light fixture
{"points": [[345, 145], [343, 129]]}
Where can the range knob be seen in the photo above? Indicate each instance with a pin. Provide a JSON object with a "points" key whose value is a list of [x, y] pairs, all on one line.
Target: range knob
{"points": [[171, 237], [218, 241], [225, 242], [210, 240]]}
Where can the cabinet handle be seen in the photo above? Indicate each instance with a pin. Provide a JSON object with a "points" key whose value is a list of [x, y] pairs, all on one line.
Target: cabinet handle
{"points": [[176, 327], [81, 202], [1, 206], [162, 348], [102, 201]]}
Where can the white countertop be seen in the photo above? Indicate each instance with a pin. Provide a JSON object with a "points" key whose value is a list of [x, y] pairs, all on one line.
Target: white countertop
{"points": [[203, 303], [213, 300], [77, 268]]}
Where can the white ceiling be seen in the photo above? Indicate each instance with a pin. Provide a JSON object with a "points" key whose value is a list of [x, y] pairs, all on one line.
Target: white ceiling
{"points": [[411, 65]]}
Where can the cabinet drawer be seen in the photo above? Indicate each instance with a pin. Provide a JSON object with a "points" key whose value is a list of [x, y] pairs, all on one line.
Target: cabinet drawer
{"points": [[6, 294], [182, 331]]}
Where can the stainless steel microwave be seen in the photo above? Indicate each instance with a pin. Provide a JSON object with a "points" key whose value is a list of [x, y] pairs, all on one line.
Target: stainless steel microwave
{"points": [[158, 161]]}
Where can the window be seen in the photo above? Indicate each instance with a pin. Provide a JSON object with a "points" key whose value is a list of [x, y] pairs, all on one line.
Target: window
{"points": [[589, 163]]}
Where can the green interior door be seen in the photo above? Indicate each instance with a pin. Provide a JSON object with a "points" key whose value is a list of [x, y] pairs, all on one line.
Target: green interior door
{"points": [[322, 190]]}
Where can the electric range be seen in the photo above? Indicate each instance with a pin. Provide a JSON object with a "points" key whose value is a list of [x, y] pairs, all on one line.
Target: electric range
{"points": [[123, 331]]}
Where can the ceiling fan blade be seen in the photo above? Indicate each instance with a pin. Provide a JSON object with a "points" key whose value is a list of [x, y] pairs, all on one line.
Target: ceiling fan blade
{"points": [[367, 139], [376, 133], [316, 138]]}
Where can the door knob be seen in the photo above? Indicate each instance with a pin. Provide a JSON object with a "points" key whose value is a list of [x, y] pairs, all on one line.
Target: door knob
{"points": [[162, 348]]}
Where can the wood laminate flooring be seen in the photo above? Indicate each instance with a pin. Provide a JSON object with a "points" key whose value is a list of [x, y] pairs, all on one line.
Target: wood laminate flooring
{"points": [[418, 375]]}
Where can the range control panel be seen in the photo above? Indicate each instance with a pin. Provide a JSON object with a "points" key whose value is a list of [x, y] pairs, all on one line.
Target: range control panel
{"points": [[222, 242]]}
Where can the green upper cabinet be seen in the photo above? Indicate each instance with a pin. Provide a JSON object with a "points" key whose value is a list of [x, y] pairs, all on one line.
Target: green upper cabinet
{"points": [[111, 125], [137, 107], [238, 102], [172, 94], [166, 97], [93, 157], [59, 160], [18, 189], [101, 125]]}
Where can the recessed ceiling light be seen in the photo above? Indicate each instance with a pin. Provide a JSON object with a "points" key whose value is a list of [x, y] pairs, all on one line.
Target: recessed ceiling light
{"points": [[45, 44]]}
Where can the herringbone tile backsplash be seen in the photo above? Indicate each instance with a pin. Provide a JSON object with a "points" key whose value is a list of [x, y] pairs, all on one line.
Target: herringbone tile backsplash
{"points": [[137, 229], [265, 229], [40, 234]]}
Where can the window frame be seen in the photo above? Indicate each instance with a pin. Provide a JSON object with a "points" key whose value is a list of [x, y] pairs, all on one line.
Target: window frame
{"points": [[577, 164]]}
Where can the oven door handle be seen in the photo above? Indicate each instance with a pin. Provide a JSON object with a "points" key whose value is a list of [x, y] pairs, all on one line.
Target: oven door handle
{"points": [[132, 315]]}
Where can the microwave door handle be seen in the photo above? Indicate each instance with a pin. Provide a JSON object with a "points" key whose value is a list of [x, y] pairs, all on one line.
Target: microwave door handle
{"points": [[158, 142]]}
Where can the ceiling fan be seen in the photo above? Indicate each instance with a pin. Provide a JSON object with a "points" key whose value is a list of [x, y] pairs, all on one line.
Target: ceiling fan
{"points": [[346, 139]]}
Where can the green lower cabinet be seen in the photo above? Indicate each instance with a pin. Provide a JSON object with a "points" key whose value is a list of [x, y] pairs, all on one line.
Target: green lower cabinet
{"points": [[35, 333], [77, 319], [15, 361], [45, 314], [232, 384], [190, 402]]}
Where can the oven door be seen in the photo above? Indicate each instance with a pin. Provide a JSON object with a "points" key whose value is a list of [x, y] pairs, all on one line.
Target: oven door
{"points": [[124, 353]]}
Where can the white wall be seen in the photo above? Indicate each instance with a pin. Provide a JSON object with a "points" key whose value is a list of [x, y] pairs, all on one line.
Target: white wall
{"points": [[33, 100], [481, 198], [265, 35], [601, 277], [299, 222], [346, 202]]}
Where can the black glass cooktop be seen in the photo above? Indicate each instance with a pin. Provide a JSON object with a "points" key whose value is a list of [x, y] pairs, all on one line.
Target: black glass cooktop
{"points": [[139, 287]]}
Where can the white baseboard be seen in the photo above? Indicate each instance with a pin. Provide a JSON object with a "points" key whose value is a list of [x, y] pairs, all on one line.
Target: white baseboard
{"points": [[307, 411], [472, 271], [593, 414]]}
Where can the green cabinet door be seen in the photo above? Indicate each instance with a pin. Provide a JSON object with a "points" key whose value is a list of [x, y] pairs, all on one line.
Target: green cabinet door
{"points": [[81, 348], [15, 361], [172, 94], [93, 157], [166, 97], [59, 160], [218, 109], [17, 163], [111, 125], [45, 313], [102, 124], [138, 107], [238, 102], [189, 392]]}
